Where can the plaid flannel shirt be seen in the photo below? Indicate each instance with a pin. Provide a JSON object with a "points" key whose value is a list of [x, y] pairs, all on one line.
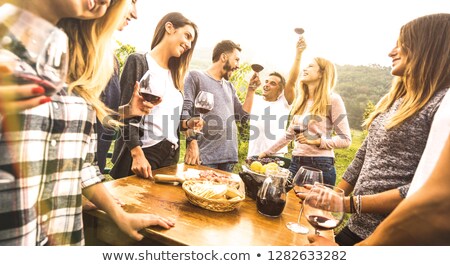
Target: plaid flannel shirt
{"points": [[46, 156]]}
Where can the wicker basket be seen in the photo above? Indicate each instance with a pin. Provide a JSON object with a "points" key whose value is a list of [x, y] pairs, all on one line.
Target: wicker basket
{"points": [[216, 205]]}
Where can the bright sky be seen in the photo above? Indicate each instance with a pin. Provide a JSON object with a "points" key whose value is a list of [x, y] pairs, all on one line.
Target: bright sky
{"points": [[356, 32]]}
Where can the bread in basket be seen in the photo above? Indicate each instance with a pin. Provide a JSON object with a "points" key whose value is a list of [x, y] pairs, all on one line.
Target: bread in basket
{"points": [[214, 196]]}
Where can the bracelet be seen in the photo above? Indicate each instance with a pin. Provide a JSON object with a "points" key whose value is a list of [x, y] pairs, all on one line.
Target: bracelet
{"points": [[358, 204], [352, 206]]}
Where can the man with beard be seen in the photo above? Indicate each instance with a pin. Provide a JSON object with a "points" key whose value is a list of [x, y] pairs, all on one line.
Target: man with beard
{"points": [[217, 146]]}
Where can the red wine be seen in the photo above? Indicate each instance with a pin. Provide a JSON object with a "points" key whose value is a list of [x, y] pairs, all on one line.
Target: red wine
{"points": [[322, 223], [270, 207], [202, 110], [153, 99], [298, 130], [21, 78]]}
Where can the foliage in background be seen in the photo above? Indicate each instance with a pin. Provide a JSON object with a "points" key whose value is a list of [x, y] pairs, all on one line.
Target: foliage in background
{"points": [[123, 52], [360, 84]]}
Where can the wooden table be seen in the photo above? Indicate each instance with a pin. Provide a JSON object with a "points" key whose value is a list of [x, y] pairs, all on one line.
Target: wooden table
{"points": [[194, 226]]}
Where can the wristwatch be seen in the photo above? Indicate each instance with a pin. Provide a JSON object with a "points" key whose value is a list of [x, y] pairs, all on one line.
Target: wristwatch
{"points": [[193, 137]]}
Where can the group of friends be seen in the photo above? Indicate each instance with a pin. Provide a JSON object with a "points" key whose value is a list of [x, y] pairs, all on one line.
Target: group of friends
{"points": [[54, 148]]}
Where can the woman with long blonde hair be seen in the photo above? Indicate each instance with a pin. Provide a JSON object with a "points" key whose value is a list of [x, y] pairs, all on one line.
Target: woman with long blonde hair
{"points": [[380, 175], [47, 162], [320, 114]]}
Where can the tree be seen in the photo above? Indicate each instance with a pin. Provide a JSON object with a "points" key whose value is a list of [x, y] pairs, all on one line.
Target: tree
{"points": [[123, 52], [369, 109]]}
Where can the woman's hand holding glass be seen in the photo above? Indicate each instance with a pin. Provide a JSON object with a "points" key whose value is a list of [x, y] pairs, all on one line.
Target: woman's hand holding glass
{"points": [[137, 106], [324, 207], [33, 59]]}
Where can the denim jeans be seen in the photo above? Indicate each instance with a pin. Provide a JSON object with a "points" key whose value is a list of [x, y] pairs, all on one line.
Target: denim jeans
{"points": [[228, 167], [326, 164]]}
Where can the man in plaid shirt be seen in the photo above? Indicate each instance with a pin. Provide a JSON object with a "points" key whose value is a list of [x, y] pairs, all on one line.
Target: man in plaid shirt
{"points": [[46, 160], [46, 153]]}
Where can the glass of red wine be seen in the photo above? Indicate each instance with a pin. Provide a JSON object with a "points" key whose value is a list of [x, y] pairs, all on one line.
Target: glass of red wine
{"points": [[298, 125], [32, 50], [324, 207], [204, 102], [305, 176], [149, 90]]}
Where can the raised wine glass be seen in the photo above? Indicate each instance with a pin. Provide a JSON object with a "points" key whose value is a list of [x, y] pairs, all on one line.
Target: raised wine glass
{"points": [[150, 90], [304, 176], [204, 102], [324, 207], [256, 68], [299, 31], [32, 50]]}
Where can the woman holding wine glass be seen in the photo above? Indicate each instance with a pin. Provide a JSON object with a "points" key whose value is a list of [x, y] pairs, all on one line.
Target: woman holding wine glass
{"points": [[152, 141], [380, 175], [314, 122]]}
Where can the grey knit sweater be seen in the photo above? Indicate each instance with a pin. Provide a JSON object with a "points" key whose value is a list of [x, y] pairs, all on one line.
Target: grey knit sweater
{"points": [[388, 159]]}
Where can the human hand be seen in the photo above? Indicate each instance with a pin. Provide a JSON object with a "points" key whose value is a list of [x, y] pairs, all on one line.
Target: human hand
{"points": [[317, 240], [304, 192], [192, 155], [16, 98], [254, 82], [131, 223], [301, 44], [307, 139], [141, 167], [137, 106], [195, 123], [262, 155]]}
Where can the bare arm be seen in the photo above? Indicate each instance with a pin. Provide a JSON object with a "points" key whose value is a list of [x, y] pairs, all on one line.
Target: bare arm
{"points": [[289, 90], [128, 223]]}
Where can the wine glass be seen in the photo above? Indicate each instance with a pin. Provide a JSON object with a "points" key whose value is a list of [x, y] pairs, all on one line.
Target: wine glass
{"points": [[299, 31], [257, 68], [304, 176], [150, 90], [324, 207], [298, 125], [204, 102], [32, 50]]}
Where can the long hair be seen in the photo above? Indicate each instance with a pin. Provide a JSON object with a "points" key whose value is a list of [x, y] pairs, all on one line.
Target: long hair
{"points": [[425, 42], [322, 93], [91, 61], [178, 65]]}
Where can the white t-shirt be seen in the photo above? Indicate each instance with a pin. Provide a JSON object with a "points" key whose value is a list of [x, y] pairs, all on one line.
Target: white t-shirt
{"points": [[163, 121], [268, 122], [439, 133]]}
